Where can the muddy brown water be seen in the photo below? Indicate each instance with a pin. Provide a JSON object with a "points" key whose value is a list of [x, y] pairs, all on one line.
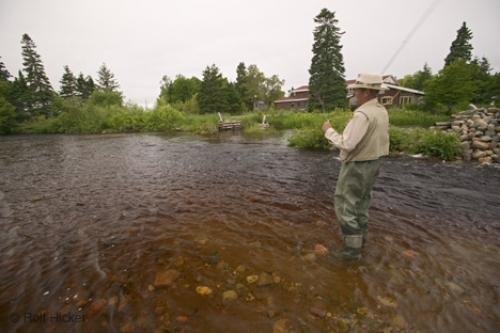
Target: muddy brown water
{"points": [[88, 222]]}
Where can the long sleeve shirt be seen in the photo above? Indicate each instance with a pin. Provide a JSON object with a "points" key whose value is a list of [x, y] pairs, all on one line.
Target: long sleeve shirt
{"points": [[352, 135]]}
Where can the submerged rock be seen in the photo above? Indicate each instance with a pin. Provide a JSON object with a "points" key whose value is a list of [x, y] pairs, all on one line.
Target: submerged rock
{"points": [[240, 269], [229, 295], [165, 279], [310, 257], [387, 301], [204, 290], [399, 322], [410, 254], [318, 310], [265, 279], [98, 305], [320, 249], [252, 278]]}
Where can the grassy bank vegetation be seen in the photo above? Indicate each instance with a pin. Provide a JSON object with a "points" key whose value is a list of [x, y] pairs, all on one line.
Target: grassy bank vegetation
{"points": [[408, 132]]}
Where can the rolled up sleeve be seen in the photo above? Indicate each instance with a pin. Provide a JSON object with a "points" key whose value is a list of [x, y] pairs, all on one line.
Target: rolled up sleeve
{"points": [[352, 135]]}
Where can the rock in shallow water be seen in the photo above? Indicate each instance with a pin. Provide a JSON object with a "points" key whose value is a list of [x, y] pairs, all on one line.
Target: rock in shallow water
{"points": [[229, 295], [252, 278], [165, 279], [320, 249], [265, 279], [204, 290]]}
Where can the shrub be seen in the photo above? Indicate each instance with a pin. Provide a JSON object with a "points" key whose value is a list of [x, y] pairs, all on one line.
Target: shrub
{"points": [[310, 138], [164, 117], [7, 116], [106, 98], [439, 144]]}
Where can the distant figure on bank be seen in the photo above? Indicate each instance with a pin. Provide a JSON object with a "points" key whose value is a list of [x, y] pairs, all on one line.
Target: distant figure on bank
{"points": [[364, 140]]}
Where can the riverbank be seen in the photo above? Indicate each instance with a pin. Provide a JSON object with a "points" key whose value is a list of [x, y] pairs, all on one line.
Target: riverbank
{"points": [[409, 129]]}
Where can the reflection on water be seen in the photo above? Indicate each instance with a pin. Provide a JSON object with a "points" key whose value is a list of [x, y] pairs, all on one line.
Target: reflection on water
{"points": [[139, 233]]}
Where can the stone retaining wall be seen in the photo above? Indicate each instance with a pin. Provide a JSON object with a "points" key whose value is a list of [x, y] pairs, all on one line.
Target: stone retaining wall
{"points": [[479, 132]]}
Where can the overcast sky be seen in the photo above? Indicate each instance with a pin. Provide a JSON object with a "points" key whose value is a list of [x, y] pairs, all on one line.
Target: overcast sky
{"points": [[141, 41]]}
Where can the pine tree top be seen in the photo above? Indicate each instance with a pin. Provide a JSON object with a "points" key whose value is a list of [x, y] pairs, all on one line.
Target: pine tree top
{"points": [[461, 47], [106, 79]]}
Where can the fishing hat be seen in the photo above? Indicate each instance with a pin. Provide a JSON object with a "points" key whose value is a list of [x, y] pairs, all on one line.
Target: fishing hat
{"points": [[369, 81]]}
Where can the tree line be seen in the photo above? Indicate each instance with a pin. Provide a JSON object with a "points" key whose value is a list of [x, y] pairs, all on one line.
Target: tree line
{"points": [[30, 94], [463, 79], [215, 93]]}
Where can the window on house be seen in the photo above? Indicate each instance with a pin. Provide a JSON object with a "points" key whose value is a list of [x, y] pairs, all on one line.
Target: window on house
{"points": [[386, 100], [403, 100]]}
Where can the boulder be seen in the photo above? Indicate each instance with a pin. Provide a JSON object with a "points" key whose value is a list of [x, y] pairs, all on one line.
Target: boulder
{"points": [[480, 144]]}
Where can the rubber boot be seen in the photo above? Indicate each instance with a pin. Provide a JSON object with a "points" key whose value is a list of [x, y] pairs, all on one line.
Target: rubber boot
{"points": [[352, 248], [365, 239]]}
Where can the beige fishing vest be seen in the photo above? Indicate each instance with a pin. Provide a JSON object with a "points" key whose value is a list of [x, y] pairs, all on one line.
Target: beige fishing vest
{"points": [[375, 142]]}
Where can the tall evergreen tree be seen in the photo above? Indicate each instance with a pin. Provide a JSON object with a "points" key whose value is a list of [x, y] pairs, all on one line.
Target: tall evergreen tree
{"points": [[106, 80], [213, 91], [89, 86], [68, 83], [327, 86], [39, 85], [85, 86], [21, 97], [4, 73], [241, 86], [461, 47]]}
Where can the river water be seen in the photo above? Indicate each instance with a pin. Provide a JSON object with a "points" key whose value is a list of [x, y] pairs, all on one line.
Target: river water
{"points": [[115, 233]]}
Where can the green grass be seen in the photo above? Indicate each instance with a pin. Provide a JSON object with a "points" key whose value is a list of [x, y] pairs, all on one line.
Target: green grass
{"points": [[408, 132], [403, 117]]}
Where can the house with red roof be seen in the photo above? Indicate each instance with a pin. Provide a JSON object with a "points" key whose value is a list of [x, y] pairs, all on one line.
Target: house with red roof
{"points": [[396, 95]]}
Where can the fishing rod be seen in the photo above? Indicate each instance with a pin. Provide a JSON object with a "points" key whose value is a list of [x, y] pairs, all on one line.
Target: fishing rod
{"points": [[417, 25]]}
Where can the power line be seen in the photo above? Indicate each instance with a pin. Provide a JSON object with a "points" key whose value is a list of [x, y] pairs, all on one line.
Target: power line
{"points": [[421, 20]]}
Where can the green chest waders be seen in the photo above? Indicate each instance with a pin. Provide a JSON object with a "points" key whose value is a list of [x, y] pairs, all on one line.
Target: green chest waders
{"points": [[353, 198]]}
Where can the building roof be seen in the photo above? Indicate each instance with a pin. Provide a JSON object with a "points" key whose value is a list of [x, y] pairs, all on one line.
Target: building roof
{"points": [[413, 91], [301, 89], [291, 99]]}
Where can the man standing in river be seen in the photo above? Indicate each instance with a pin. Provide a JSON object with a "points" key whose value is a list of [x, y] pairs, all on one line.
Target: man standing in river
{"points": [[365, 139]]}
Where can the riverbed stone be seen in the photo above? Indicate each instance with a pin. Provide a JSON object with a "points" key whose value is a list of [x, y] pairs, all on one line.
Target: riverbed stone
{"points": [[252, 278], [399, 322], [265, 279], [319, 310], [240, 269], [320, 249], [286, 325], [97, 305], [229, 295], [166, 278], [204, 290], [387, 301], [310, 257]]}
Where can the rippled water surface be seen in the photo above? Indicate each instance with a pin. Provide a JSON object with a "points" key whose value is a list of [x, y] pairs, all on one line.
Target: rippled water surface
{"points": [[90, 224]]}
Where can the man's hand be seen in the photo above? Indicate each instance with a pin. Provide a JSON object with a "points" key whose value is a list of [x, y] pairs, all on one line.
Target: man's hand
{"points": [[326, 125]]}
